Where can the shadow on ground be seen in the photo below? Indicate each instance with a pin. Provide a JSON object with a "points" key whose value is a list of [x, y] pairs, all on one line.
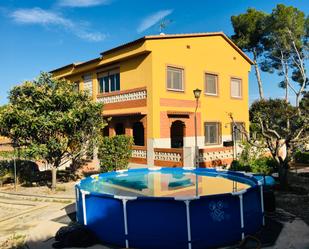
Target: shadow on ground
{"points": [[267, 237]]}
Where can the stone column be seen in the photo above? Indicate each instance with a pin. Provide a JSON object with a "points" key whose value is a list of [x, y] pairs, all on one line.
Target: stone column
{"points": [[150, 153]]}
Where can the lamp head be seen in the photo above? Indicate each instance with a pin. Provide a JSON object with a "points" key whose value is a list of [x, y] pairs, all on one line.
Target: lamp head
{"points": [[197, 93]]}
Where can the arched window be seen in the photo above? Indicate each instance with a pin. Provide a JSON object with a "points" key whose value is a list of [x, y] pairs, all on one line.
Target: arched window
{"points": [[177, 134]]}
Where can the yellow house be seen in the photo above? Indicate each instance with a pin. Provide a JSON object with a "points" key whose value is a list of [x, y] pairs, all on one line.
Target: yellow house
{"points": [[147, 89]]}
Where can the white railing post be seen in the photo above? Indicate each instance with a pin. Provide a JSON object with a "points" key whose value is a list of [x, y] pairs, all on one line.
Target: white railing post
{"points": [[124, 202], [84, 193]]}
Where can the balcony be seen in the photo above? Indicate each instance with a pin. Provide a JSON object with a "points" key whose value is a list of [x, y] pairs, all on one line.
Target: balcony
{"points": [[135, 94]]}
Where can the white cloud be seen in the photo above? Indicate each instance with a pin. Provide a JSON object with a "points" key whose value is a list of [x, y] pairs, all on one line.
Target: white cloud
{"points": [[91, 36], [40, 16], [151, 20], [81, 3], [47, 18]]}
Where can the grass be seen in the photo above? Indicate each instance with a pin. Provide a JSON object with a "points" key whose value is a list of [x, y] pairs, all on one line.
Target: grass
{"points": [[16, 241], [60, 189]]}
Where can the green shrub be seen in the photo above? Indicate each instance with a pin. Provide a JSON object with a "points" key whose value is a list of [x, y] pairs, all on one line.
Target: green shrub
{"points": [[115, 152], [238, 166], [301, 157], [263, 165], [4, 168]]}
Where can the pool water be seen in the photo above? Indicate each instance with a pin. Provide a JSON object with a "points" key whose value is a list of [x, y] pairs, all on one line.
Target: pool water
{"points": [[168, 183]]}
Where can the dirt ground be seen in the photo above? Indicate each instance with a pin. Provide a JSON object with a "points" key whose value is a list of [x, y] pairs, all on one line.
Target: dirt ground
{"points": [[295, 200], [62, 189]]}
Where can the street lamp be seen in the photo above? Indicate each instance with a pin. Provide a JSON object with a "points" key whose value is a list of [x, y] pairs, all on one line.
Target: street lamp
{"points": [[197, 94]]}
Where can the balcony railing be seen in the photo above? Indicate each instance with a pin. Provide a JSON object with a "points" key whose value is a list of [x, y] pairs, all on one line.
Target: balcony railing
{"points": [[168, 157], [122, 96], [139, 152]]}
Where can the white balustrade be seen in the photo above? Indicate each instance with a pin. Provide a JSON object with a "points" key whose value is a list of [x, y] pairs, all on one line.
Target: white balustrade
{"points": [[215, 155], [139, 153], [168, 156], [141, 94]]}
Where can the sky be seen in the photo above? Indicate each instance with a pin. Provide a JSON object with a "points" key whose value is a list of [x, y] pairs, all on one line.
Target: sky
{"points": [[41, 35]]}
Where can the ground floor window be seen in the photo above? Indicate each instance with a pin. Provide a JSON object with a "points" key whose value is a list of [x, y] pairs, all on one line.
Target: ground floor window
{"points": [[212, 133], [238, 127]]}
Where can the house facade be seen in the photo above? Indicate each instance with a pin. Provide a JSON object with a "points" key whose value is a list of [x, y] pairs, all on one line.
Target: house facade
{"points": [[147, 89]]}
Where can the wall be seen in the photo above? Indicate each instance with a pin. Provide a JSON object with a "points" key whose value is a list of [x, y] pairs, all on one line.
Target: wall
{"points": [[196, 56]]}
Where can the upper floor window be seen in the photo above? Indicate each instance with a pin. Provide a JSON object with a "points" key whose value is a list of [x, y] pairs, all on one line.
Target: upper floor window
{"points": [[109, 81], [88, 84], [211, 84], [175, 79], [212, 133], [236, 88]]}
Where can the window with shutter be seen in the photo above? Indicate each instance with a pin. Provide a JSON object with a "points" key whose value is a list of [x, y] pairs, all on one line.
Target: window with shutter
{"points": [[236, 88], [175, 79], [211, 84], [212, 133]]}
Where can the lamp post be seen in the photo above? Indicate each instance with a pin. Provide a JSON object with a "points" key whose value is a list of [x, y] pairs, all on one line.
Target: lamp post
{"points": [[197, 94]]}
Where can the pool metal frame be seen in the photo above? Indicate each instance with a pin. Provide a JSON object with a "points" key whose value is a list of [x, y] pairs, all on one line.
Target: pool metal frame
{"points": [[186, 200]]}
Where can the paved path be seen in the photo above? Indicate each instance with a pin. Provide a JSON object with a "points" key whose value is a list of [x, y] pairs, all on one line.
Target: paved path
{"points": [[18, 215]]}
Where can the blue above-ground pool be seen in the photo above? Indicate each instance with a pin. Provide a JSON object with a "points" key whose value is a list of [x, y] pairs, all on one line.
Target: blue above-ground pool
{"points": [[170, 207]]}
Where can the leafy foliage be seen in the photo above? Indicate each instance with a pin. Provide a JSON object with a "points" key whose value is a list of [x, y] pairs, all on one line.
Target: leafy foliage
{"points": [[253, 159], [278, 42], [262, 165], [51, 119], [301, 157], [280, 125], [249, 29], [115, 152]]}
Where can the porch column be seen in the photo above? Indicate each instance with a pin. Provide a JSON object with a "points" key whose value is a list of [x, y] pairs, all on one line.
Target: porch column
{"points": [[111, 131], [128, 128], [150, 152]]}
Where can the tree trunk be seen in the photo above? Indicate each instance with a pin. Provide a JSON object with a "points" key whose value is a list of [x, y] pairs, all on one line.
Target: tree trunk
{"points": [[283, 174], [54, 178], [297, 100], [286, 92], [258, 76]]}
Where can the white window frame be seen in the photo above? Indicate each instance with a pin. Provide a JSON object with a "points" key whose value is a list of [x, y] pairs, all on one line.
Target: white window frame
{"points": [[218, 124], [217, 88], [240, 87], [182, 79], [108, 73]]}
